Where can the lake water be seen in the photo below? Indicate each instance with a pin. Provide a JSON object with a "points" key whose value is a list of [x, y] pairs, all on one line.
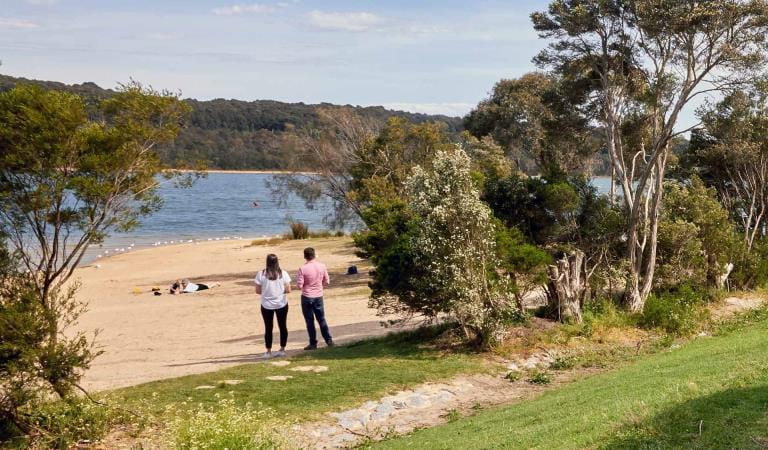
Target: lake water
{"points": [[221, 207]]}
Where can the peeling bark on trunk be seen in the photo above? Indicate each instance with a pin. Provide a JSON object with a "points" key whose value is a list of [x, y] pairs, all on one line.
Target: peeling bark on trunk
{"points": [[566, 286]]}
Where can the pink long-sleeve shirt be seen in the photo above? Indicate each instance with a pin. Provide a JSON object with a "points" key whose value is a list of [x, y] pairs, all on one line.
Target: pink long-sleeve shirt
{"points": [[311, 278]]}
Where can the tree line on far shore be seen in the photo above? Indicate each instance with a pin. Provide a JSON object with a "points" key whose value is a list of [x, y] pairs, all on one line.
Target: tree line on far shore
{"points": [[236, 134]]}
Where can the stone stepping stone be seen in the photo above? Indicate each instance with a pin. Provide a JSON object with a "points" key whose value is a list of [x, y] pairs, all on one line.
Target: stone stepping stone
{"points": [[280, 363], [205, 386], [231, 382], [316, 369], [279, 378]]}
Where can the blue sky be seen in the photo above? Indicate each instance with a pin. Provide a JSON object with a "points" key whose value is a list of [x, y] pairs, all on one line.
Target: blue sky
{"points": [[428, 56]]}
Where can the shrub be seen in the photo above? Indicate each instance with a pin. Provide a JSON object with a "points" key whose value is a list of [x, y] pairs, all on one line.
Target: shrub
{"points": [[751, 268], [225, 426], [679, 312], [563, 362], [454, 242], [513, 375], [539, 377], [67, 421], [299, 230]]}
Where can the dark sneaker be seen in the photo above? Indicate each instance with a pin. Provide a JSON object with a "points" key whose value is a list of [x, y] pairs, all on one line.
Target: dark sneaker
{"points": [[311, 347], [330, 344]]}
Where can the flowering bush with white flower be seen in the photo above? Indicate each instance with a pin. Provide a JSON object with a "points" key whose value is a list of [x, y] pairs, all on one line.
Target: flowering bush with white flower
{"points": [[454, 247], [225, 425]]}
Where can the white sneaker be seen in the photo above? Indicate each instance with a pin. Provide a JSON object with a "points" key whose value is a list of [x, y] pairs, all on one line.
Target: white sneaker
{"points": [[280, 353], [266, 355]]}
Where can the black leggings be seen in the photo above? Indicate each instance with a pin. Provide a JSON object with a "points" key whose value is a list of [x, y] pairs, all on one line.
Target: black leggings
{"points": [[282, 316]]}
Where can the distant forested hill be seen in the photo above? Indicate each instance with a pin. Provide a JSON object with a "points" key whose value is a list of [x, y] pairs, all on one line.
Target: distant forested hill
{"points": [[235, 134]]}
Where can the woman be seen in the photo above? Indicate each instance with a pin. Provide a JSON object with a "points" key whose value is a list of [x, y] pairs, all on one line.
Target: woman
{"points": [[273, 284]]}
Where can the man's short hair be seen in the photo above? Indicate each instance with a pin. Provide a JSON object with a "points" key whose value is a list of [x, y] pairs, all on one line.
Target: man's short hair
{"points": [[309, 253]]}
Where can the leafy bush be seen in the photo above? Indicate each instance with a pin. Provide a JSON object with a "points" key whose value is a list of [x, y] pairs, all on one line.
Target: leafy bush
{"points": [[751, 269], [299, 230], [680, 312], [225, 426], [696, 236], [513, 375], [563, 362], [454, 243], [67, 421], [539, 377]]}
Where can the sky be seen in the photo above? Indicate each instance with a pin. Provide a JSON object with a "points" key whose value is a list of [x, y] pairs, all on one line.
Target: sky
{"points": [[423, 56]]}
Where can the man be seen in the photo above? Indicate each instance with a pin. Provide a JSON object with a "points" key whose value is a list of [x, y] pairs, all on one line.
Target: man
{"points": [[311, 278]]}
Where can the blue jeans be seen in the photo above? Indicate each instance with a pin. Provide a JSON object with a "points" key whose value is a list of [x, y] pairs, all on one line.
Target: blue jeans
{"points": [[312, 308]]}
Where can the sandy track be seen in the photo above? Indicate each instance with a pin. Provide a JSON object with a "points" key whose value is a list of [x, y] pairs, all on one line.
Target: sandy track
{"points": [[148, 337]]}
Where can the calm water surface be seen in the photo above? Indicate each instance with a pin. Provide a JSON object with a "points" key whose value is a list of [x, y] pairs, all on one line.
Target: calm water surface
{"points": [[219, 206]]}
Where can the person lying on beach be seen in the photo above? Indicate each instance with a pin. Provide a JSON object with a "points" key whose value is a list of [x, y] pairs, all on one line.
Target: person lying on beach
{"points": [[187, 287]]}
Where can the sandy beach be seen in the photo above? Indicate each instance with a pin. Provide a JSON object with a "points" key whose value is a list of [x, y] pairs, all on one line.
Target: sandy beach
{"points": [[146, 337]]}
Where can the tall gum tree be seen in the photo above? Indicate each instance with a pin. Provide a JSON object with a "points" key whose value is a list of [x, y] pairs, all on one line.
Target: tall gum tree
{"points": [[649, 59]]}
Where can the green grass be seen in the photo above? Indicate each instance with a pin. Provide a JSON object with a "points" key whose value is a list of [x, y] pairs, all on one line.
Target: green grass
{"points": [[356, 373], [709, 393]]}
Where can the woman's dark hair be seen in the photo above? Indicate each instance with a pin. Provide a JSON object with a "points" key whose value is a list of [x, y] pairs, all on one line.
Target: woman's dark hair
{"points": [[273, 271]]}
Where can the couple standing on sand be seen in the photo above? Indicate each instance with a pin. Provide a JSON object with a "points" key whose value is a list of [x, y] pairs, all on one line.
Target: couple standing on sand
{"points": [[274, 284]]}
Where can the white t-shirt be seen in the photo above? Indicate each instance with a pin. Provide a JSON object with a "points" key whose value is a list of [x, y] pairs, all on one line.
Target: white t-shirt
{"points": [[273, 291], [191, 287]]}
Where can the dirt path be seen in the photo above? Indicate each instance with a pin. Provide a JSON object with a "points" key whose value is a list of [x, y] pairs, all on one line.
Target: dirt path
{"points": [[147, 337]]}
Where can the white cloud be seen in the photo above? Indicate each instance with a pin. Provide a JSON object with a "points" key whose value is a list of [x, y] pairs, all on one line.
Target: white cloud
{"points": [[18, 24], [253, 8], [448, 109], [339, 21]]}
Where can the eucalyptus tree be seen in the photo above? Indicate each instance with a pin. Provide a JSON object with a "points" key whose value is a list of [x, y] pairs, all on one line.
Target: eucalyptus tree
{"points": [[647, 59]]}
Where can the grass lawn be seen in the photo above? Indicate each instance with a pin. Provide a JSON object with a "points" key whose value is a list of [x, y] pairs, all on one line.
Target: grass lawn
{"points": [[357, 372], [709, 393]]}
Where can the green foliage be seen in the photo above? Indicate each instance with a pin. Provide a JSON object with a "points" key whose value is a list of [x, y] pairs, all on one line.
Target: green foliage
{"points": [[513, 375], [563, 362], [454, 242], [524, 263], [696, 236], [383, 165], [388, 243], [536, 120], [225, 426], [681, 312], [751, 268], [58, 424], [539, 377]]}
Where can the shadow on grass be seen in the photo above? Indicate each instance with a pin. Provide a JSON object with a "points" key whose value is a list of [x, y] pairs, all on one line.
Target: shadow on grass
{"points": [[734, 418], [420, 343]]}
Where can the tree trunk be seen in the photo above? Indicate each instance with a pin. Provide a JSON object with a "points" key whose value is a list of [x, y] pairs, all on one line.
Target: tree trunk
{"points": [[566, 286]]}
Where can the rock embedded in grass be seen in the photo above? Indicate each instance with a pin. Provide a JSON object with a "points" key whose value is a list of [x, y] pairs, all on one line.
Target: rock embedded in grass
{"points": [[316, 369], [279, 378]]}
